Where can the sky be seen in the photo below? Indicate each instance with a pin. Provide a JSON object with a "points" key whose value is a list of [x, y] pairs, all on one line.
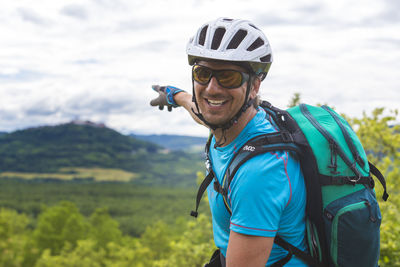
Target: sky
{"points": [[97, 59]]}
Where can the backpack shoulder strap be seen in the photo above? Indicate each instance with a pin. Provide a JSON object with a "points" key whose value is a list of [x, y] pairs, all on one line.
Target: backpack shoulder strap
{"points": [[375, 171], [207, 180], [256, 146]]}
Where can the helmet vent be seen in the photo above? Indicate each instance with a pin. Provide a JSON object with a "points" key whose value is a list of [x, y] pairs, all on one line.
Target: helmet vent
{"points": [[256, 44], [218, 35], [266, 58], [227, 19], [202, 37], [237, 39], [254, 26]]}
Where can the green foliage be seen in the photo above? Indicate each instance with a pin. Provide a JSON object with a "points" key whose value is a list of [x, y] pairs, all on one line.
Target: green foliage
{"points": [[84, 254], [185, 243], [104, 229], [133, 207], [12, 223], [13, 237], [57, 225], [194, 246], [295, 100], [157, 237], [378, 137]]}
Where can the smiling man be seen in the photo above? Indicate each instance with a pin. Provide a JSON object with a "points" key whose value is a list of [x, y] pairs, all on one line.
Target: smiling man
{"points": [[267, 196]]}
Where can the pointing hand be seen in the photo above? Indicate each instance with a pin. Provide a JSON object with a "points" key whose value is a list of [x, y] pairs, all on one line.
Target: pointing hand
{"points": [[165, 97]]}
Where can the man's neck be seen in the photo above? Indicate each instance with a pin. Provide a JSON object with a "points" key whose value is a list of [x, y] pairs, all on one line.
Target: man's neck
{"points": [[233, 132]]}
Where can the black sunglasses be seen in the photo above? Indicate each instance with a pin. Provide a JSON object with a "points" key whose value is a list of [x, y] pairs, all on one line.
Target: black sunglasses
{"points": [[228, 79]]}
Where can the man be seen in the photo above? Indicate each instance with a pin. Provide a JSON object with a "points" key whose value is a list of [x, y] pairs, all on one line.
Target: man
{"points": [[267, 195]]}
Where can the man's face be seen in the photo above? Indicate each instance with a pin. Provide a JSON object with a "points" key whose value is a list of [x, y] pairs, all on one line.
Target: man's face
{"points": [[216, 103]]}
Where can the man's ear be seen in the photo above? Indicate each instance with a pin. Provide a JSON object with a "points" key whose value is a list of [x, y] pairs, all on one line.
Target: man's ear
{"points": [[255, 87]]}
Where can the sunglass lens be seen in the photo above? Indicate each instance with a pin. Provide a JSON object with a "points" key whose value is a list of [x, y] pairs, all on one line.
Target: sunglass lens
{"points": [[201, 74], [230, 78]]}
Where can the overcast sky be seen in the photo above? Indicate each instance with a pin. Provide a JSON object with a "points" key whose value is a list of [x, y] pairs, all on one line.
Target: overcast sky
{"points": [[97, 59]]}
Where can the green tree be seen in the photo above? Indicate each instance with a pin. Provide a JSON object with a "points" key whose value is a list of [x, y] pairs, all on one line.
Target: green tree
{"points": [[131, 253], [13, 237], [12, 223], [103, 228], [84, 254], [158, 238], [193, 247], [379, 134], [58, 225], [295, 100]]}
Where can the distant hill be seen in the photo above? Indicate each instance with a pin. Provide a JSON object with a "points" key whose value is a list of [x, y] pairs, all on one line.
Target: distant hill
{"points": [[1, 133], [49, 148], [174, 142]]}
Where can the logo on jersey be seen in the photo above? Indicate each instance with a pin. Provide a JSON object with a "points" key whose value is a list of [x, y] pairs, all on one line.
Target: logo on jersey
{"points": [[249, 148]]}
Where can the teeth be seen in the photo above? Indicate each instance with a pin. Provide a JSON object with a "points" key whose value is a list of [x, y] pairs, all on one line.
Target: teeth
{"points": [[215, 103]]}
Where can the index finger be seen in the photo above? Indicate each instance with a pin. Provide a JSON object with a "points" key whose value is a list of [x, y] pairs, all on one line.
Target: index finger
{"points": [[156, 87]]}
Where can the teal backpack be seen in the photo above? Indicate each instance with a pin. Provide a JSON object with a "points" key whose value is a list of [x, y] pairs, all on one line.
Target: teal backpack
{"points": [[343, 216]]}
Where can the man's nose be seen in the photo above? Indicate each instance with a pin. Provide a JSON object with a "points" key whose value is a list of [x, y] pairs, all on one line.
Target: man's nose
{"points": [[213, 86]]}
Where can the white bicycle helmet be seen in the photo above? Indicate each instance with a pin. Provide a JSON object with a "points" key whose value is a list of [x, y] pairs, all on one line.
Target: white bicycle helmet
{"points": [[232, 40]]}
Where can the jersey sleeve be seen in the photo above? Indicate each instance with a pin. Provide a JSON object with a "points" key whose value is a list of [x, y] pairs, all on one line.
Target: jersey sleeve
{"points": [[258, 194]]}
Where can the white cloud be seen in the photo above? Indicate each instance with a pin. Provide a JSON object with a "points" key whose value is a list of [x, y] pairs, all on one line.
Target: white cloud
{"points": [[97, 59], [75, 11], [29, 15]]}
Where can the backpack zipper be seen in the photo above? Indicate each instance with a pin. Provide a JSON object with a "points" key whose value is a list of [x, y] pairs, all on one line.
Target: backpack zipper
{"points": [[347, 137], [335, 148]]}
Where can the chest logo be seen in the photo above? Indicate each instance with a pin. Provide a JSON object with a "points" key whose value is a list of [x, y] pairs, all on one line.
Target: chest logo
{"points": [[249, 148]]}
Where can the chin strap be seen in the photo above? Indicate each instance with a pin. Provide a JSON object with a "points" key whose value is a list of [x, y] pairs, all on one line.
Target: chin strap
{"points": [[228, 124], [247, 103]]}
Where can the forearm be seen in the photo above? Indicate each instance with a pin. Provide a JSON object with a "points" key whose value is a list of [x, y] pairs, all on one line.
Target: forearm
{"points": [[184, 99]]}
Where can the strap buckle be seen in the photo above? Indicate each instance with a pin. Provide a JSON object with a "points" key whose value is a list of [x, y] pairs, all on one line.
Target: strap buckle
{"points": [[287, 137], [354, 180]]}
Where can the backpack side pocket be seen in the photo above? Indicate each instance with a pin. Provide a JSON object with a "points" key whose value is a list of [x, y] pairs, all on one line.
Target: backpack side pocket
{"points": [[352, 227]]}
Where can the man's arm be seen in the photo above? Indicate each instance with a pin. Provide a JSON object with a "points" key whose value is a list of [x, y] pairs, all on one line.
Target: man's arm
{"points": [[246, 250], [184, 99], [173, 97]]}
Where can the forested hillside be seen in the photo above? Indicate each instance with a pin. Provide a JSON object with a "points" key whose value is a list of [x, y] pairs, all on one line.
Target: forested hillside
{"points": [[50, 149], [173, 142]]}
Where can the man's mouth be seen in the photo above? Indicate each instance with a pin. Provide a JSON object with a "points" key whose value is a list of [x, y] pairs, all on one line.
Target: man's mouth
{"points": [[216, 103]]}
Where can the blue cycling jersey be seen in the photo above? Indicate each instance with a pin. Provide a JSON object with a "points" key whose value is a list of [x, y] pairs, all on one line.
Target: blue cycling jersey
{"points": [[267, 196]]}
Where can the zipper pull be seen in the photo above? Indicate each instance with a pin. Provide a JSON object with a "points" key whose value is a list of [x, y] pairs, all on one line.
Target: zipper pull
{"points": [[371, 217], [333, 165]]}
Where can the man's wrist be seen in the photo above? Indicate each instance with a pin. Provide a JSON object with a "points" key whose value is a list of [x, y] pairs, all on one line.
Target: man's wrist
{"points": [[171, 91]]}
